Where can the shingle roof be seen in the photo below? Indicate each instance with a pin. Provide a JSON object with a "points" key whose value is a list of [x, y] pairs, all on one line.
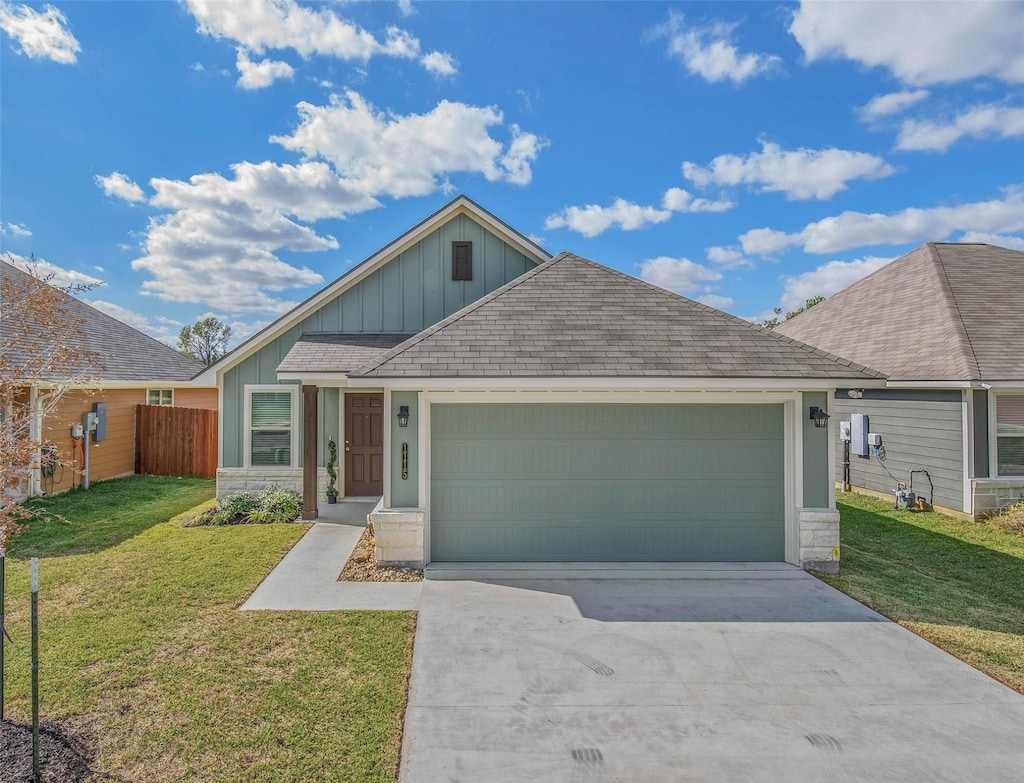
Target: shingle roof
{"points": [[572, 317], [120, 352], [337, 351], [943, 312]]}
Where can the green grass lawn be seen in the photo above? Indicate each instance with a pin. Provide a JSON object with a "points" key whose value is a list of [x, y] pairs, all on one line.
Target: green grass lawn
{"points": [[958, 584], [143, 648]]}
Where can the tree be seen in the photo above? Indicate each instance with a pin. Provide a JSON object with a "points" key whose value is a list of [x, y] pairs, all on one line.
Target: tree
{"points": [[205, 341], [41, 356], [774, 321]]}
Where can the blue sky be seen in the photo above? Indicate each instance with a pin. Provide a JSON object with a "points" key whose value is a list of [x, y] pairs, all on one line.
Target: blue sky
{"points": [[230, 158]]}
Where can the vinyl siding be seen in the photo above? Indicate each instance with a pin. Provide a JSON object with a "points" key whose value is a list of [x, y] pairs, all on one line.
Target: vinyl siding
{"points": [[408, 294], [920, 430]]}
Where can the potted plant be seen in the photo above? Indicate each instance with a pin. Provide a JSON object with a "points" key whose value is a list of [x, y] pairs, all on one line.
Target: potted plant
{"points": [[332, 474]]}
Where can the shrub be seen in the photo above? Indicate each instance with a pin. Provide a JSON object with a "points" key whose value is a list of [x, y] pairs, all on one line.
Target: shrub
{"points": [[269, 506]]}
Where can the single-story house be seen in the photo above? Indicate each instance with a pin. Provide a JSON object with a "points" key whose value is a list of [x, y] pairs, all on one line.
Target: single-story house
{"points": [[120, 368], [507, 405], [945, 323]]}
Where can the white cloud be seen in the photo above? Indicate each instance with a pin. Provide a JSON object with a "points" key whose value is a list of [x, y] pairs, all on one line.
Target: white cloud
{"points": [[256, 76], [40, 34], [593, 219], [892, 103], [14, 230], [707, 51], [978, 121], [405, 7], [680, 275], [53, 274], [403, 155], [117, 184], [439, 63], [826, 280], [219, 240], [860, 229], [936, 43], [156, 327], [259, 25], [728, 257], [197, 67], [800, 174], [716, 301], [1001, 240]]}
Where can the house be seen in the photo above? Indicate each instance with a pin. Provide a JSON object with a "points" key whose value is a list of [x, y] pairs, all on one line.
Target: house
{"points": [[945, 323], [505, 404], [118, 368]]}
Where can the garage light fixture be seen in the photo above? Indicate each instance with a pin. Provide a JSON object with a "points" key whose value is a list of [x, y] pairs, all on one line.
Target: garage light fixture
{"points": [[403, 416], [819, 417]]}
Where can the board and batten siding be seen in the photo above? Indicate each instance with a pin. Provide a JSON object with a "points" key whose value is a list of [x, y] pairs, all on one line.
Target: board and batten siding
{"points": [[920, 430], [409, 293]]}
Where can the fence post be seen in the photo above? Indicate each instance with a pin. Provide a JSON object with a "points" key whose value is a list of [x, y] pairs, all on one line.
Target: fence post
{"points": [[35, 670]]}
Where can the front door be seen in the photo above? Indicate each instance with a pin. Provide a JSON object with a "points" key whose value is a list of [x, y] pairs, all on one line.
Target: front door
{"points": [[364, 444]]}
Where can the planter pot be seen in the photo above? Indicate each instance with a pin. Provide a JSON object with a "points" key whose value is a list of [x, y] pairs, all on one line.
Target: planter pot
{"points": [[332, 499]]}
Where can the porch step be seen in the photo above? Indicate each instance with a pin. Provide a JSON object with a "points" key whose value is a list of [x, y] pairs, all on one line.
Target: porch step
{"points": [[535, 571]]}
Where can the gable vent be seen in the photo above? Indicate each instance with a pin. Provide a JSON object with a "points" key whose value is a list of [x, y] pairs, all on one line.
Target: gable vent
{"points": [[462, 260]]}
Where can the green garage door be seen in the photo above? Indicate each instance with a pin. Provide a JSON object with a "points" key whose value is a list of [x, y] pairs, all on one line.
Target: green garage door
{"points": [[606, 482]]}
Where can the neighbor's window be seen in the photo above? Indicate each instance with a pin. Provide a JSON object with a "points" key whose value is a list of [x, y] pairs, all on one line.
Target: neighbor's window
{"points": [[462, 260], [160, 397], [270, 427], [1010, 434]]}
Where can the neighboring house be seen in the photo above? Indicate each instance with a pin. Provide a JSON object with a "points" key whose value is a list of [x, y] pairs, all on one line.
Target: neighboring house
{"points": [[121, 368], [945, 323], [508, 406]]}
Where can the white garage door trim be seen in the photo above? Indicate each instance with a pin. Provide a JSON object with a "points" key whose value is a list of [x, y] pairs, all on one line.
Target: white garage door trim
{"points": [[793, 435]]}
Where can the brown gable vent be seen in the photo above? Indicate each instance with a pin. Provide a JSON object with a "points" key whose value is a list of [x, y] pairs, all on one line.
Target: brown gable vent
{"points": [[462, 260]]}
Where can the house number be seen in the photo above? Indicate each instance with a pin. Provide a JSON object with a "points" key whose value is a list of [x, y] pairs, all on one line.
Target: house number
{"points": [[405, 462]]}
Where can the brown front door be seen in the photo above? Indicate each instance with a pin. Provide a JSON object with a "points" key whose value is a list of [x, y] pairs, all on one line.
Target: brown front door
{"points": [[364, 444]]}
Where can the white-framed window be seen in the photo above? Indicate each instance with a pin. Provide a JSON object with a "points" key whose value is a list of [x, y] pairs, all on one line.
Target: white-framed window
{"points": [[271, 425], [1009, 418], [159, 396]]}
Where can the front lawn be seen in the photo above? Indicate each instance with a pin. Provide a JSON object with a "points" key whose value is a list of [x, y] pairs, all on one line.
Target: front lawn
{"points": [[143, 648], [958, 584]]}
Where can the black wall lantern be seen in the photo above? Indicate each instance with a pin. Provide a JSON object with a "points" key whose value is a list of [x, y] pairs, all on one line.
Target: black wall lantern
{"points": [[819, 417], [403, 416]]}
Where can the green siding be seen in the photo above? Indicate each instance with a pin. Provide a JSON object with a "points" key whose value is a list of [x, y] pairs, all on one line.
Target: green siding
{"points": [[607, 482], [405, 492], [408, 294], [815, 446]]}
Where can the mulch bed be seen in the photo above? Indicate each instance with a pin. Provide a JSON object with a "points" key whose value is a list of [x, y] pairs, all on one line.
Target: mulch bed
{"points": [[362, 566], [63, 757]]}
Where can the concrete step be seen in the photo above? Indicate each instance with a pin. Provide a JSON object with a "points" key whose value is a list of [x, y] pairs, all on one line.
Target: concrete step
{"points": [[535, 571]]}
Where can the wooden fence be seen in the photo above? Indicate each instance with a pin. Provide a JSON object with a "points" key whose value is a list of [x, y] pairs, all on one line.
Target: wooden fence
{"points": [[175, 441]]}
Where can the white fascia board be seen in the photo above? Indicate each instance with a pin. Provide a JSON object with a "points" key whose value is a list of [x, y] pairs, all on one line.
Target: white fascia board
{"points": [[102, 384], [460, 206], [617, 383], [935, 385]]}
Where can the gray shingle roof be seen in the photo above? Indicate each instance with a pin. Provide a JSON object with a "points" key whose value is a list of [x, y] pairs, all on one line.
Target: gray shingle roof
{"points": [[120, 352], [943, 312], [337, 351], [572, 317]]}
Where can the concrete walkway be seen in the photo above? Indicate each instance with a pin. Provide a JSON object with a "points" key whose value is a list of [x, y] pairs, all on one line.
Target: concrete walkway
{"points": [[307, 577], [756, 675]]}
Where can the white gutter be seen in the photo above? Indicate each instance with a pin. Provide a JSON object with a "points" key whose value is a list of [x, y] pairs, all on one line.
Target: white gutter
{"points": [[616, 383]]}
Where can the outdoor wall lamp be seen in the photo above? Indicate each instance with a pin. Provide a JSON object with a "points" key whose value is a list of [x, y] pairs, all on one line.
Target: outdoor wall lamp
{"points": [[819, 417], [403, 416]]}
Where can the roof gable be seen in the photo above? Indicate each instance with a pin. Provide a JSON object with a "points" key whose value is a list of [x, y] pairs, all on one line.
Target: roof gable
{"points": [[571, 317], [943, 312], [123, 352], [459, 206]]}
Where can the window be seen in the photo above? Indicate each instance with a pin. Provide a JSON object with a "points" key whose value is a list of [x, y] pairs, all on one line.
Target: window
{"points": [[270, 425], [462, 260], [1010, 434], [160, 397]]}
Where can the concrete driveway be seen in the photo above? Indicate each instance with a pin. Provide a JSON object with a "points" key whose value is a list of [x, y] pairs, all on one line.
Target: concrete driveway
{"points": [[743, 675]]}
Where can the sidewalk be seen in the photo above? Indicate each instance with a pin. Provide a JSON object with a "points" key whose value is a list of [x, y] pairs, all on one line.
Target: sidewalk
{"points": [[307, 577]]}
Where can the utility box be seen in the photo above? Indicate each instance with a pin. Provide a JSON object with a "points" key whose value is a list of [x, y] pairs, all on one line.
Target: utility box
{"points": [[844, 431], [100, 410], [859, 435]]}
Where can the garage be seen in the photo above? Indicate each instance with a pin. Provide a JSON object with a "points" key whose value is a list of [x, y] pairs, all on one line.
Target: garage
{"points": [[607, 482]]}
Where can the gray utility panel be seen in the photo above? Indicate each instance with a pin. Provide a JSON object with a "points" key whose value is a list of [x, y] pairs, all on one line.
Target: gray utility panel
{"points": [[607, 482]]}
